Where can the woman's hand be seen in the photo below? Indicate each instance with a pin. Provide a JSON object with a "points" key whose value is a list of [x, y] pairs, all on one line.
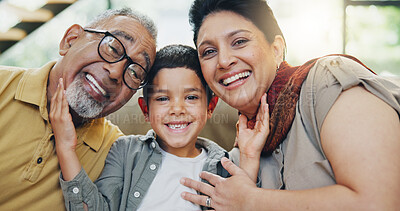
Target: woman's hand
{"points": [[251, 141], [61, 120], [233, 193]]}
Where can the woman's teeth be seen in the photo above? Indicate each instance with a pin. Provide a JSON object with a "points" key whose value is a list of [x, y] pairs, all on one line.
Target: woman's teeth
{"points": [[236, 77], [93, 83]]}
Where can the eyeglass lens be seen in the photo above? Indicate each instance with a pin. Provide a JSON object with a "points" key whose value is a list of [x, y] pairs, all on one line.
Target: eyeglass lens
{"points": [[136, 74], [112, 50]]}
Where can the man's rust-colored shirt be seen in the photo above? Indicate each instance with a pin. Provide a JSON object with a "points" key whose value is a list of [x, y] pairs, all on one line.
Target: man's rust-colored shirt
{"points": [[29, 169]]}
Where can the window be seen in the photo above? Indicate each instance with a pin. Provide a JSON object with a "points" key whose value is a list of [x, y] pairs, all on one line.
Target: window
{"points": [[372, 34]]}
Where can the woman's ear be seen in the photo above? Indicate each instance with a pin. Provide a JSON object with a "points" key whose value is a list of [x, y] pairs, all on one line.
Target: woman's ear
{"points": [[143, 106], [279, 49], [69, 38], [211, 106]]}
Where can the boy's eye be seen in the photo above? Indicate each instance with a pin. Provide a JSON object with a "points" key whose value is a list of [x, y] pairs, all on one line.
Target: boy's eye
{"points": [[192, 97], [161, 99]]}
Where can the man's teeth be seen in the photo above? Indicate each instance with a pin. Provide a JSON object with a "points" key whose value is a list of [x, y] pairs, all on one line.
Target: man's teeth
{"points": [[177, 126], [95, 85], [235, 77]]}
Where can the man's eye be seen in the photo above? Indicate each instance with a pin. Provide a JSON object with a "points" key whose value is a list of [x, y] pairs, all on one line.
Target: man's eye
{"points": [[111, 50]]}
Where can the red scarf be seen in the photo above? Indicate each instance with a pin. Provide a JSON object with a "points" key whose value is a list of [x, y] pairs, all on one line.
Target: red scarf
{"points": [[282, 99]]}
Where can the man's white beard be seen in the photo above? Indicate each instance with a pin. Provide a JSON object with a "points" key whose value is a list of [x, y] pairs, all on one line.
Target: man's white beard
{"points": [[81, 101]]}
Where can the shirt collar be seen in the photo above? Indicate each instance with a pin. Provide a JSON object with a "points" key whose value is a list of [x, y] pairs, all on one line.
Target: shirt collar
{"points": [[92, 133], [32, 88]]}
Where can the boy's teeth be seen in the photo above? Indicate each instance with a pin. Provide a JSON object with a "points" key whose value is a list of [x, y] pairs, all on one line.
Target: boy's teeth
{"points": [[96, 85], [177, 126], [235, 77]]}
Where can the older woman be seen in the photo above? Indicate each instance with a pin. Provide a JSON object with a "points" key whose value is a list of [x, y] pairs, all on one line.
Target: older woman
{"points": [[335, 129]]}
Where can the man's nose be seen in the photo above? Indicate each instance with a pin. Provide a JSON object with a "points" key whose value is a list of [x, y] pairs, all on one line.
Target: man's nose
{"points": [[116, 70]]}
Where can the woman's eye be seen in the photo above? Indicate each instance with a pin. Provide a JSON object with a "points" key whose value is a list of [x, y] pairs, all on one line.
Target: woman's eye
{"points": [[239, 42], [208, 52], [161, 99]]}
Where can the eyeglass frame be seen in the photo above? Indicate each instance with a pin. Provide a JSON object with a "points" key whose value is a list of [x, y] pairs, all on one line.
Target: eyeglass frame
{"points": [[107, 33]]}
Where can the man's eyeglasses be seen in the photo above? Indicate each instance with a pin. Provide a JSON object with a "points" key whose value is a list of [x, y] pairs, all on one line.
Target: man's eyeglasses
{"points": [[112, 50]]}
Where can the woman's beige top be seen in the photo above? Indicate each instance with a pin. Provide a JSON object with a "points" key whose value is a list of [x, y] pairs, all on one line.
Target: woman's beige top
{"points": [[299, 162]]}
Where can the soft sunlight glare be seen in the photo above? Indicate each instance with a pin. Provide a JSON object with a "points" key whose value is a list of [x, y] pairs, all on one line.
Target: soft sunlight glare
{"points": [[310, 31], [7, 17], [31, 5]]}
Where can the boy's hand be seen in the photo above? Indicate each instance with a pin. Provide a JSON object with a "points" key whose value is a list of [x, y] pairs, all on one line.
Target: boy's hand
{"points": [[65, 135], [252, 141], [61, 120]]}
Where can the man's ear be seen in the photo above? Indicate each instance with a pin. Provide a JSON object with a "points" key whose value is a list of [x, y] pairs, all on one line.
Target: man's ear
{"points": [[211, 106], [69, 38], [143, 106]]}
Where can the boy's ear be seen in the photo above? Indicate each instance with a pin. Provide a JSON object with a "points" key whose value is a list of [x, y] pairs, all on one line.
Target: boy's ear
{"points": [[144, 108], [69, 38], [211, 106]]}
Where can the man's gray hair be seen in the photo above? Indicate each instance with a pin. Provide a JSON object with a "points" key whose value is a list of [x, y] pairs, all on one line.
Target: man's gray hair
{"points": [[142, 19]]}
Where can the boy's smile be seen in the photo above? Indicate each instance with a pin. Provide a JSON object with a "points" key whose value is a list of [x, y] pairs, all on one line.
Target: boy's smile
{"points": [[178, 110], [178, 126]]}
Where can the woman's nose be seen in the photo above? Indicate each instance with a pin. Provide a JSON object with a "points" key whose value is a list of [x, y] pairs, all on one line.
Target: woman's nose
{"points": [[225, 59]]}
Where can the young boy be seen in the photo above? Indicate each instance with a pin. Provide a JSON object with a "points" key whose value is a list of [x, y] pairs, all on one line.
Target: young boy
{"points": [[143, 172]]}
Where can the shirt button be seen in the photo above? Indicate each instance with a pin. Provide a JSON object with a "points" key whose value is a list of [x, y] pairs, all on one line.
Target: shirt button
{"points": [[153, 145], [334, 63], [277, 151], [153, 167], [136, 194], [39, 160], [75, 190]]}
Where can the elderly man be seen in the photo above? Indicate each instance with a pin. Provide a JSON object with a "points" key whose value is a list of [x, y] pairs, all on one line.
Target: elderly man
{"points": [[102, 66]]}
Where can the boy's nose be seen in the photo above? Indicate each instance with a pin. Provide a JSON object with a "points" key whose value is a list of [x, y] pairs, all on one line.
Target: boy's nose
{"points": [[177, 108]]}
